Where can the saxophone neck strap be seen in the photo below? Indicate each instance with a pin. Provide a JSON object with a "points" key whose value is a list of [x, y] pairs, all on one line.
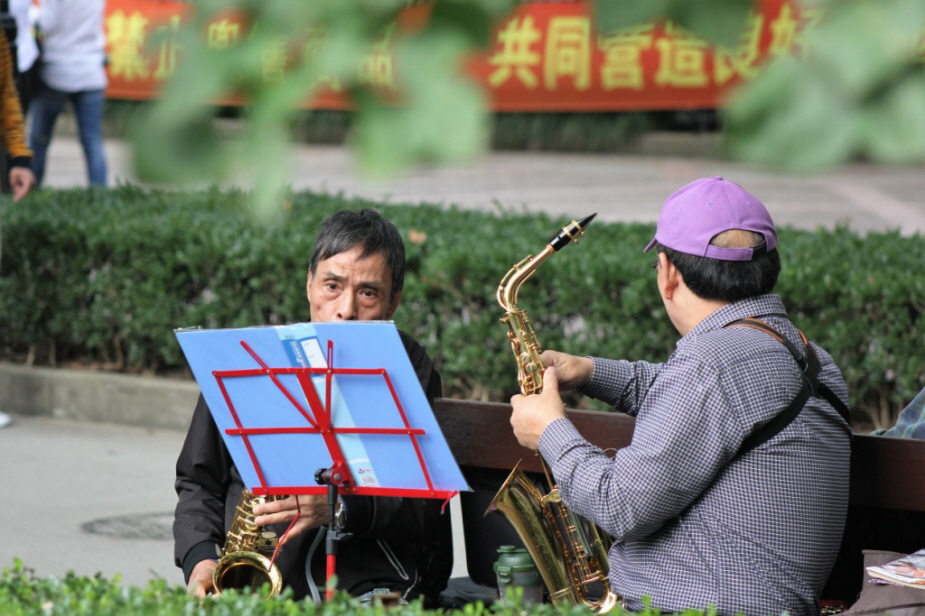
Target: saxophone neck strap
{"points": [[809, 364]]}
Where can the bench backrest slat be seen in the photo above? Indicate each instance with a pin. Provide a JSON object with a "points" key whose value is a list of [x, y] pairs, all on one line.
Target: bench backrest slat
{"points": [[886, 473]]}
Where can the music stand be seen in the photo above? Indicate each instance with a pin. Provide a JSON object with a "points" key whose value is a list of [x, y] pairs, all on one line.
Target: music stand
{"points": [[322, 408]]}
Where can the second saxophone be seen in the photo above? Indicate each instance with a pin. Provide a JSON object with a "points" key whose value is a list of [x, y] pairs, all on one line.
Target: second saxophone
{"points": [[569, 552]]}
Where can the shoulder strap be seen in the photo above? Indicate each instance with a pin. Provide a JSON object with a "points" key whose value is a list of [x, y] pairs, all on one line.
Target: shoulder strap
{"points": [[810, 367]]}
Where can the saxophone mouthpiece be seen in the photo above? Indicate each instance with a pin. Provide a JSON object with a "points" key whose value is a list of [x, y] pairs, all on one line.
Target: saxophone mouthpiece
{"points": [[584, 222], [571, 232]]}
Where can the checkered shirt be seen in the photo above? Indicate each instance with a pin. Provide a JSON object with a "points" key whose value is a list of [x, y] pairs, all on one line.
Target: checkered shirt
{"points": [[911, 421], [695, 525]]}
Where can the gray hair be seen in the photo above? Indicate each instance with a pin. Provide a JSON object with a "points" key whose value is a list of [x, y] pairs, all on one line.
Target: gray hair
{"points": [[367, 229]]}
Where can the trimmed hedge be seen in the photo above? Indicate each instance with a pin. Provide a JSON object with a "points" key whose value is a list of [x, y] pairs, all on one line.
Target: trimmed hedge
{"points": [[103, 277], [24, 594]]}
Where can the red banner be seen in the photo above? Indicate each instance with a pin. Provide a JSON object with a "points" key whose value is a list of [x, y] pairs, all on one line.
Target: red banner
{"points": [[545, 57], [137, 65]]}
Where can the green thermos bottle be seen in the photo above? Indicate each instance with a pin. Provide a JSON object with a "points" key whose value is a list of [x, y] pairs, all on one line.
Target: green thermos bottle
{"points": [[515, 568]]}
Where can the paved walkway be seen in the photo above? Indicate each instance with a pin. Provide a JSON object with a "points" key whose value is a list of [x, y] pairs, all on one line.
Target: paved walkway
{"points": [[619, 187], [88, 497], [94, 498]]}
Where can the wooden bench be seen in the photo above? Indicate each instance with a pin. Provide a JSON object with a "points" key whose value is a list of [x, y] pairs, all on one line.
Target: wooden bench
{"points": [[887, 499]]}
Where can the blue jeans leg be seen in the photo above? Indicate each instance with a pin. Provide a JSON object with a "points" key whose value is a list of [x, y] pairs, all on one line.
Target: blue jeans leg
{"points": [[44, 110], [88, 107]]}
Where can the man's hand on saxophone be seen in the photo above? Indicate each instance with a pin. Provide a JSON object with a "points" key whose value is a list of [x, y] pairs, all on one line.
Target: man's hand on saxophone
{"points": [[311, 509], [200, 580], [534, 412], [572, 371]]}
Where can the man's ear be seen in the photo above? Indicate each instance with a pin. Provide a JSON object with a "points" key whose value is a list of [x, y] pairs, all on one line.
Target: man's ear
{"points": [[668, 276]]}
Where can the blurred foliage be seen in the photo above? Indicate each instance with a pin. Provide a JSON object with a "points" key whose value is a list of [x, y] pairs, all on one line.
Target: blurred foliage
{"points": [[720, 21], [101, 278], [438, 114], [22, 593], [855, 90]]}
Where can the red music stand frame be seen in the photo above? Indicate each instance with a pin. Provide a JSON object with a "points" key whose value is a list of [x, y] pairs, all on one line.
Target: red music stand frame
{"points": [[318, 416]]}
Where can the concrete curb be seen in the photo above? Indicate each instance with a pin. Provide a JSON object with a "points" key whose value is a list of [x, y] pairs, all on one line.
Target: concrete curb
{"points": [[87, 395]]}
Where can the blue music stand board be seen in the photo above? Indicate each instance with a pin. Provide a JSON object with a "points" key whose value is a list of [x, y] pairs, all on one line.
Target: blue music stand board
{"points": [[292, 399]]}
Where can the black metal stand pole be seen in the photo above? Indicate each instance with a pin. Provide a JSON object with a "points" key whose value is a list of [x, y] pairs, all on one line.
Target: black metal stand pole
{"points": [[332, 479]]}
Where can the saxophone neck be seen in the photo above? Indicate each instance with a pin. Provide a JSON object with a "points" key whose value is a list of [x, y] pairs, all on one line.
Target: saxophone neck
{"points": [[516, 276]]}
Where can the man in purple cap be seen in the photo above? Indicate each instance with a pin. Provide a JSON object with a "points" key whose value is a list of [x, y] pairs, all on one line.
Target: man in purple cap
{"points": [[734, 490]]}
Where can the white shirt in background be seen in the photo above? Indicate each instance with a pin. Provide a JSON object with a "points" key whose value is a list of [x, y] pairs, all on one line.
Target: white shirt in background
{"points": [[74, 44], [27, 51]]}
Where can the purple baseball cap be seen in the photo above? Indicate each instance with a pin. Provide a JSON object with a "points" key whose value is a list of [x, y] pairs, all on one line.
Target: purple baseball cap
{"points": [[695, 214]]}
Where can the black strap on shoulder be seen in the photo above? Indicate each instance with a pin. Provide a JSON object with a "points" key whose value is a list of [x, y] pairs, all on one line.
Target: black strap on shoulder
{"points": [[810, 367]]}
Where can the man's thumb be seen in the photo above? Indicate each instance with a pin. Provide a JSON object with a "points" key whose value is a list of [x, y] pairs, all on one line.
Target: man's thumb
{"points": [[550, 380]]}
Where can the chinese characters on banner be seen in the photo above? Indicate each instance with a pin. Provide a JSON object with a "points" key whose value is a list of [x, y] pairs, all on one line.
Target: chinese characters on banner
{"points": [[545, 57]]}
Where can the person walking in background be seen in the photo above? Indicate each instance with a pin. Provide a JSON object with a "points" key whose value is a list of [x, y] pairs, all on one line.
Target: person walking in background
{"points": [[13, 127], [18, 22], [27, 51], [19, 26], [73, 70]]}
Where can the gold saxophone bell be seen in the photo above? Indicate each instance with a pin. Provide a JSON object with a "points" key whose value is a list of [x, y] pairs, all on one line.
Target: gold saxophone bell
{"points": [[569, 552], [245, 560]]}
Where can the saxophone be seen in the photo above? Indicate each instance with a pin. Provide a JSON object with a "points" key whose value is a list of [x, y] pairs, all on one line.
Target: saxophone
{"points": [[569, 552], [246, 557], [523, 339]]}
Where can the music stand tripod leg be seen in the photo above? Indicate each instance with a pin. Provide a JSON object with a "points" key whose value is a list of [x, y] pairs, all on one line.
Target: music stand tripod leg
{"points": [[332, 478]]}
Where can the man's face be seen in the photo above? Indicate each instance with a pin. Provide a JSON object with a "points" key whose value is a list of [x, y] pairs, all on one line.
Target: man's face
{"points": [[348, 288]]}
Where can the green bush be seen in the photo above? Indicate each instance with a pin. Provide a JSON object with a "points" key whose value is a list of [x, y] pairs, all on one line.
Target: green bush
{"points": [[24, 594], [103, 277]]}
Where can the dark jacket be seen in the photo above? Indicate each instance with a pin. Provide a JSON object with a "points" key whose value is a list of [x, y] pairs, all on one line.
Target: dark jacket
{"points": [[401, 544]]}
